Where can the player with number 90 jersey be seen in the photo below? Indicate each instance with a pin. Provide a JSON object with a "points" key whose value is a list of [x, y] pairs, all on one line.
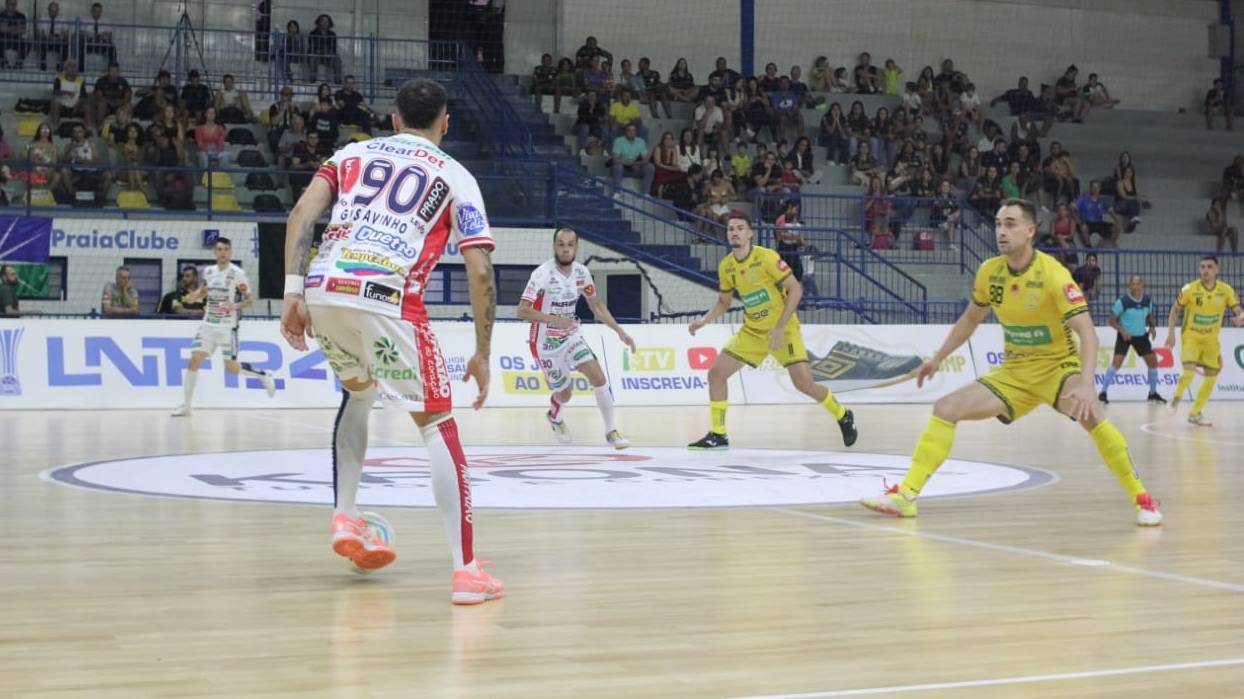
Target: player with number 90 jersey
{"points": [[400, 201]]}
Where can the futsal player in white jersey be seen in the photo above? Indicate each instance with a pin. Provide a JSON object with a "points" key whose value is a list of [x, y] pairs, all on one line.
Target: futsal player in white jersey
{"points": [[396, 203], [225, 291], [549, 302]]}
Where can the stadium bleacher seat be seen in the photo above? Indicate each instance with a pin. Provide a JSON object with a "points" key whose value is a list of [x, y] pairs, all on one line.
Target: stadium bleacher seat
{"points": [[225, 201], [219, 180], [132, 199]]}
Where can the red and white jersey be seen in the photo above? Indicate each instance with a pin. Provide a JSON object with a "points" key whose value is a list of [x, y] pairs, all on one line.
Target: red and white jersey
{"points": [[552, 292], [400, 200], [223, 286]]}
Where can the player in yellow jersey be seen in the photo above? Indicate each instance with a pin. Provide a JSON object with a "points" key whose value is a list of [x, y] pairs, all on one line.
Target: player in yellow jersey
{"points": [[1039, 307], [770, 295], [1205, 301]]}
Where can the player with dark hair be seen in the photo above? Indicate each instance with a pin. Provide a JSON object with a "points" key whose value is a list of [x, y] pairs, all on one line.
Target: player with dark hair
{"points": [[770, 296], [1203, 303], [1039, 307]]}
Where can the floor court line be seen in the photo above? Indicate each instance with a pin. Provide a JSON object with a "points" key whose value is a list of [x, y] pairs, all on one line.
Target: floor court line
{"points": [[1024, 679], [1185, 438], [1020, 551]]}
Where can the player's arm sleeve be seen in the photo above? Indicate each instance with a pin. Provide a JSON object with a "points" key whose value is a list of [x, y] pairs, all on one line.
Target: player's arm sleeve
{"points": [[1068, 298], [980, 288], [468, 219], [1117, 308], [725, 282], [776, 268], [535, 284], [328, 172], [244, 283], [1181, 300], [1233, 299], [589, 286]]}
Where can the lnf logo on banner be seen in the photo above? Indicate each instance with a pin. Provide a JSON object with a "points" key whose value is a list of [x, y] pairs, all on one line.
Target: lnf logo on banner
{"points": [[10, 338]]}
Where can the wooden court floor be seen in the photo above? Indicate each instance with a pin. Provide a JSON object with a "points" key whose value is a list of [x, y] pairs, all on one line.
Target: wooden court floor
{"points": [[1048, 591]]}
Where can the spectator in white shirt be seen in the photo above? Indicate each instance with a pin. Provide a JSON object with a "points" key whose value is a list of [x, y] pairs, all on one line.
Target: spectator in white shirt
{"points": [[688, 150], [710, 123], [970, 105]]}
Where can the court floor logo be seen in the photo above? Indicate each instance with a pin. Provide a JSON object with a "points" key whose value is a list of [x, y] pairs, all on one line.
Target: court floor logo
{"points": [[545, 477]]}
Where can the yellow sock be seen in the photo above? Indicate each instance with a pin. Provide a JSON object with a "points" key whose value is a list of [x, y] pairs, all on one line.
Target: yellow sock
{"points": [[1113, 449], [718, 410], [1202, 393], [832, 405], [931, 451], [1185, 380]]}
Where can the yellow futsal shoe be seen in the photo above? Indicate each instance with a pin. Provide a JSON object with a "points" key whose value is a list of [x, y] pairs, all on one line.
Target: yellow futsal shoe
{"points": [[891, 502]]}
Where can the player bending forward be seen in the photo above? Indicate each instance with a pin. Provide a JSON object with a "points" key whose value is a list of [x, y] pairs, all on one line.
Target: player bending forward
{"points": [[1038, 306], [224, 283], [770, 295], [549, 302], [399, 201]]}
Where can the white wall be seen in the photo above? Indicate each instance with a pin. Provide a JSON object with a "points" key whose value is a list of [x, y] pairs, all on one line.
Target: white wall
{"points": [[699, 30], [530, 31]]}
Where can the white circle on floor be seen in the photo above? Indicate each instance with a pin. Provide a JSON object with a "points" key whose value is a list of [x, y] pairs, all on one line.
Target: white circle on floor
{"points": [[545, 477]]}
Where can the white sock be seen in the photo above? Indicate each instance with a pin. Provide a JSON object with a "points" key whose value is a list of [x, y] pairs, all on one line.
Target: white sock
{"points": [[451, 487], [187, 386], [349, 448], [604, 401]]}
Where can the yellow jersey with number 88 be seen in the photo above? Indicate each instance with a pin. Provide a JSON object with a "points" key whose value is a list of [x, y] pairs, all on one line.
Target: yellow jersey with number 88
{"points": [[1033, 306]]}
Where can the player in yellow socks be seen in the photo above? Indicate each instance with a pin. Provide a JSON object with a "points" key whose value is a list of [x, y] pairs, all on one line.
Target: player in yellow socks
{"points": [[770, 295], [1205, 301], [1039, 307]]}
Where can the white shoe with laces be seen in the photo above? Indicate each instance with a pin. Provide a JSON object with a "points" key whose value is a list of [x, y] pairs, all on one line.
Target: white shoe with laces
{"points": [[559, 428]]}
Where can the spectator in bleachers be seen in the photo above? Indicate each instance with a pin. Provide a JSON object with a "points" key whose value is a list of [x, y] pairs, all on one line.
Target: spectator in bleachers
{"points": [[324, 121], [172, 127], [1067, 92], [1093, 95], [630, 157], [801, 90], [1127, 202], [352, 108], [1046, 109], [859, 126], [756, 112], [608, 83], [821, 75], [1216, 223], [1090, 213], [1019, 99], [1013, 181], [209, 139], [788, 238], [939, 161], [804, 160], [280, 115], [654, 89], [41, 153], [838, 81], [990, 131], [970, 104], [322, 48], [1059, 181], [945, 212], [119, 297], [928, 93], [1233, 178], [195, 98], [712, 159], [732, 102], [588, 51], [179, 301], [624, 112], [591, 118], [1025, 130], [877, 210], [864, 166], [787, 110], [12, 36], [867, 79], [295, 134], [688, 151], [664, 157], [111, 91], [1217, 101], [115, 130], [151, 100], [911, 155], [1061, 233], [728, 76], [544, 82], [792, 179], [93, 38], [68, 94], [9, 303], [769, 80], [891, 77], [630, 80], [682, 82], [948, 85], [173, 187], [52, 34], [998, 156], [592, 79], [882, 128], [766, 184], [82, 151], [686, 194], [970, 170], [289, 49], [899, 180], [913, 104], [740, 166], [233, 105], [717, 197], [835, 135], [129, 153], [926, 185], [592, 149], [1086, 276], [305, 160]]}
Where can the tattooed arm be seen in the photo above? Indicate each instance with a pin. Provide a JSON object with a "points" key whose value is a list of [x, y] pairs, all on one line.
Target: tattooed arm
{"points": [[483, 291], [299, 232]]}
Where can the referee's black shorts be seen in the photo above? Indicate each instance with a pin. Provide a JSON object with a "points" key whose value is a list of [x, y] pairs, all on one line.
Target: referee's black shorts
{"points": [[1140, 343]]}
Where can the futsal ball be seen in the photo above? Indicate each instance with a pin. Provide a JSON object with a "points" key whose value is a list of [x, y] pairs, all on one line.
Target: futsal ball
{"points": [[381, 529]]}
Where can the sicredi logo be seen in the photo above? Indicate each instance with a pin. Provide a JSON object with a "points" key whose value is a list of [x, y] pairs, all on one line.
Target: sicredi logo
{"points": [[545, 477]]}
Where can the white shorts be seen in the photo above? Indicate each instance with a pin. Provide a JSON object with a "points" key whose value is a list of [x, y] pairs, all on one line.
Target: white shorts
{"points": [[559, 356], [210, 337], [400, 358]]}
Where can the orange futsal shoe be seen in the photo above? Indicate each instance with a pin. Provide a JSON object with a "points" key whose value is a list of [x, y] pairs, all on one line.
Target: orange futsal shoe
{"points": [[476, 588], [354, 539]]}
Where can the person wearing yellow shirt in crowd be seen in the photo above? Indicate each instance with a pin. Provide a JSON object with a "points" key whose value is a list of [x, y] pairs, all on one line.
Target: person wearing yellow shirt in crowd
{"points": [[1205, 301], [892, 75], [623, 112], [1039, 307], [770, 295]]}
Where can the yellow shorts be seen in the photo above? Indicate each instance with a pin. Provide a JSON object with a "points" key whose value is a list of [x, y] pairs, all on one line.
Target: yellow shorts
{"points": [[1201, 350], [1023, 387], [752, 346]]}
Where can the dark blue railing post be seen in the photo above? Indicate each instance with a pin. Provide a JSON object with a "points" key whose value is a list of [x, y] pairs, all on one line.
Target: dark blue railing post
{"points": [[838, 266], [551, 194], [371, 67]]}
